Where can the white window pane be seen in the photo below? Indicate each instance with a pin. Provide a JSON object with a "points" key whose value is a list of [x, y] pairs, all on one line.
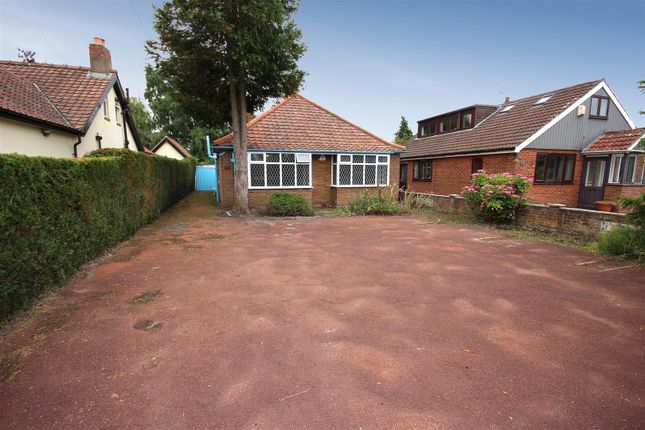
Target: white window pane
{"points": [[370, 174], [303, 175], [594, 106], [382, 159], [257, 175], [357, 172], [303, 158], [288, 175], [257, 157], [357, 159], [630, 167], [604, 107], [273, 174], [273, 157], [345, 158], [344, 174], [370, 158], [382, 175], [288, 158]]}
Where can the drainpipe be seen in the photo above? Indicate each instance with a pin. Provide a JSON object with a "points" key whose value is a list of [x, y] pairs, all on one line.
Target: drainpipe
{"points": [[126, 143], [78, 142]]}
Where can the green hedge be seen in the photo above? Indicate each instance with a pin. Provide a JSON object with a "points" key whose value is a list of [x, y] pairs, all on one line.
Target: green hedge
{"points": [[56, 214], [288, 204]]}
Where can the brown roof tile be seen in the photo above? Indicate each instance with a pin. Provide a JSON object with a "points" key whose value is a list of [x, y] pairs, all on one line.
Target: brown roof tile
{"points": [[74, 91], [298, 124], [501, 130], [620, 140]]}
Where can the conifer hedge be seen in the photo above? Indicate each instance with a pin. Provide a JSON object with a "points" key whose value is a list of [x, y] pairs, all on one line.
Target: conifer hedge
{"points": [[56, 214]]}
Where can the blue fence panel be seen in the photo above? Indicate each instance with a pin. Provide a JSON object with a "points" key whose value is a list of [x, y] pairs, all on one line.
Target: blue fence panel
{"points": [[206, 178]]}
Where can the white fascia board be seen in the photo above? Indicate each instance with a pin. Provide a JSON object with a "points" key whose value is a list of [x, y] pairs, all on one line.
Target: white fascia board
{"points": [[601, 85]]}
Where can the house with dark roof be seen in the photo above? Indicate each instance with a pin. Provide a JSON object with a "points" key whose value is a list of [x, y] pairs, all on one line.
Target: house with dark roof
{"points": [[303, 148], [577, 144], [65, 111], [169, 147]]}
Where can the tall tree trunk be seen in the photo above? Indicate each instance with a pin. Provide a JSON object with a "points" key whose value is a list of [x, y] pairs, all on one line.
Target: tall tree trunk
{"points": [[238, 114]]}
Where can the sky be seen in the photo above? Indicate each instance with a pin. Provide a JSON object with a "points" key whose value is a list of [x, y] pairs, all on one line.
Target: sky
{"points": [[373, 61]]}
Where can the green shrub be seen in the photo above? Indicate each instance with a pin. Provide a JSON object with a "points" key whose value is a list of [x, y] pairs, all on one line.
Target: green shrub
{"points": [[288, 204], [370, 203], [626, 241], [495, 197], [57, 214]]}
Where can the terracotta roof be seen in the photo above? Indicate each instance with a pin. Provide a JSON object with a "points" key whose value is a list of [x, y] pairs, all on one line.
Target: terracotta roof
{"points": [[298, 124], [172, 143], [501, 130], [621, 140], [74, 91], [23, 97]]}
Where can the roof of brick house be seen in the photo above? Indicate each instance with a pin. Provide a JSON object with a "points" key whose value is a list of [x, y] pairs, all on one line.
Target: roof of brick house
{"points": [[298, 124], [618, 141]]}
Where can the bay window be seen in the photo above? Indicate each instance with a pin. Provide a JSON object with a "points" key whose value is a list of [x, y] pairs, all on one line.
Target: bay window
{"points": [[279, 170], [360, 170]]}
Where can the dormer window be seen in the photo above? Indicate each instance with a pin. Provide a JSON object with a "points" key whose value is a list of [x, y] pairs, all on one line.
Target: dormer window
{"points": [[542, 100], [507, 108], [467, 121], [454, 123], [599, 108], [443, 127], [432, 128]]}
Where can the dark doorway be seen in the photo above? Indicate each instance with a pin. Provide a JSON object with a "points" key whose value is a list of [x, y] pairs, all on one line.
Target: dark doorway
{"points": [[403, 176], [594, 178]]}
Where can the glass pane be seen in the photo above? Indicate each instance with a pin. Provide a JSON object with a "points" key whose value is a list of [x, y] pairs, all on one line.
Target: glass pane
{"points": [[273, 157], [288, 158], [604, 107], [357, 172], [334, 169], [560, 172], [257, 175], [595, 173], [344, 174], [600, 173], [468, 120], [357, 159], [288, 175], [382, 158], [345, 159], [273, 175], [257, 157], [568, 171], [382, 175], [551, 165], [616, 168], [453, 123], [370, 158], [594, 106], [303, 175], [539, 170], [370, 174], [427, 169], [631, 164], [433, 128], [415, 170]]}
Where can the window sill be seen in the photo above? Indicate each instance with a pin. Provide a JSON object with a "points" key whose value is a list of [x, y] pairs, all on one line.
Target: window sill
{"points": [[553, 183], [421, 180], [107, 118], [359, 186], [598, 117], [278, 188], [617, 184]]}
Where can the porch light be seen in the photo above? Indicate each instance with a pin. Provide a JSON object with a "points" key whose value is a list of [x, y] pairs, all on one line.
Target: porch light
{"points": [[322, 158]]}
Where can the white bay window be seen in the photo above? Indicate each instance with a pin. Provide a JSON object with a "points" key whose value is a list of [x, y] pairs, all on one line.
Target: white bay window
{"points": [[360, 170], [279, 170]]}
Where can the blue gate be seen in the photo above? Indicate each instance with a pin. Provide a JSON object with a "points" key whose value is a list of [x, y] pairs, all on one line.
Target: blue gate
{"points": [[206, 178]]}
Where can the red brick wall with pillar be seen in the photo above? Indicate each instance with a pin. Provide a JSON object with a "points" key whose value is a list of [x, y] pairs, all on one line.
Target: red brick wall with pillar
{"points": [[225, 171], [566, 194], [450, 175]]}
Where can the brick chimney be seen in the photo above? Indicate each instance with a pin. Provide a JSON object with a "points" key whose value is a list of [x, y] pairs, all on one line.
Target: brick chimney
{"points": [[100, 58], [506, 99]]}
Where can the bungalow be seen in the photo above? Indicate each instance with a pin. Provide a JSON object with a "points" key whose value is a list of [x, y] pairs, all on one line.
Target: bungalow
{"points": [[577, 144], [301, 147], [169, 147], [65, 111]]}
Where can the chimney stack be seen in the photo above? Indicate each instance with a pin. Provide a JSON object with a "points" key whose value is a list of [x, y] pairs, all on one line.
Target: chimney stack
{"points": [[507, 99], [100, 58]]}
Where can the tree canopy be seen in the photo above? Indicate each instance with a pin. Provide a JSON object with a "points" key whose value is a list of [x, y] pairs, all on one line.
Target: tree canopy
{"points": [[404, 133], [226, 58]]}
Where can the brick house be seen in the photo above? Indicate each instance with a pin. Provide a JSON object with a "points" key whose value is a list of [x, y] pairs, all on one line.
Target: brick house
{"points": [[558, 139], [300, 147]]}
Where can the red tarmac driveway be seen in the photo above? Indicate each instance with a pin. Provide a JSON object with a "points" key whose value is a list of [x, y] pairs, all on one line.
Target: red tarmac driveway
{"points": [[366, 322]]}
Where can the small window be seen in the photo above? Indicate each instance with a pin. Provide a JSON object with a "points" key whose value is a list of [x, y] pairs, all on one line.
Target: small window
{"points": [[117, 113], [599, 107], [454, 123], [630, 169], [477, 165], [422, 130], [443, 127], [616, 169], [507, 108], [542, 100], [432, 128], [106, 109], [422, 170], [554, 168], [467, 121]]}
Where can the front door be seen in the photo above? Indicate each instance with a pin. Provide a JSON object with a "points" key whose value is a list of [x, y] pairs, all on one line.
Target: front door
{"points": [[403, 176], [594, 178]]}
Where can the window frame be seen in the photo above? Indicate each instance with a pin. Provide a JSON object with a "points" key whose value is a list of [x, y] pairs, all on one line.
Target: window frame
{"points": [[106, 110], [633, 172], [472, 164], [456, 122], [616, 158], [470, 119], [280, 163], [415, 170], [336, 162], [557, 156], [117, 113], [597, 115]]}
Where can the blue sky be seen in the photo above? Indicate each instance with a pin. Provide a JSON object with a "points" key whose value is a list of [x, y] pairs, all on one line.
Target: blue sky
{"points": [[373, 61]]}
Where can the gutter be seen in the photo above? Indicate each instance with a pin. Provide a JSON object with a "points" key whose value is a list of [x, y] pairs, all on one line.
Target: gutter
{"points": [[304, 151], [78, 142]]}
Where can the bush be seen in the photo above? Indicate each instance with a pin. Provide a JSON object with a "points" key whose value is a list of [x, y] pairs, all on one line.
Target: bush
{"points": [[58, 213], [495, 197], [627, 241], [370, 203], [288, 204]]}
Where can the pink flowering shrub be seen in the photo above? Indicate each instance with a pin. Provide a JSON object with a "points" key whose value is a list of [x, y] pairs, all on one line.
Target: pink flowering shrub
{"points": [[495, 197]]}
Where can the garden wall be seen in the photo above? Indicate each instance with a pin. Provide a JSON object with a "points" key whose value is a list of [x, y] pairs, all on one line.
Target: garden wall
{"points": [[58, 213], [551, 217]]}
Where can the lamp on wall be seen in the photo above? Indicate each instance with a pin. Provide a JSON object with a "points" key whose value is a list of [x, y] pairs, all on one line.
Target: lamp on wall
{"points": [[322, 157], [99, 138], [46, 132]]}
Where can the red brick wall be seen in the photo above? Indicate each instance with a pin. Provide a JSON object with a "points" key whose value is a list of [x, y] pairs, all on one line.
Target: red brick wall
{"points": [[225, 170], [566, 194], [451, 175]]}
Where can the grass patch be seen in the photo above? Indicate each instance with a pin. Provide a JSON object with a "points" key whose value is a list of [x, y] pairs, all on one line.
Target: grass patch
{"points": [[10, 363]]}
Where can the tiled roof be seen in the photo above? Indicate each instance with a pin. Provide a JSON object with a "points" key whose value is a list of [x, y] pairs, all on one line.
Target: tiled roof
{"points": [[74, 91], [620, 140], [23, 97], [172, 143], [298, 124], [502, 130]]}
